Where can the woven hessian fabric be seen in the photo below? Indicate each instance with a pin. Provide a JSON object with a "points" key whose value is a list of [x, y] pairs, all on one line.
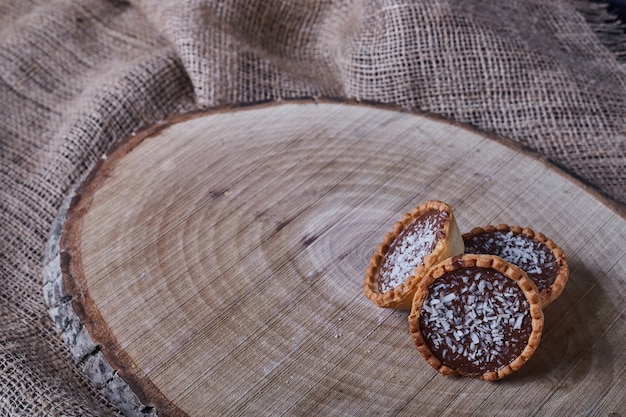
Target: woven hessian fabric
{"points": [[77, 76]]}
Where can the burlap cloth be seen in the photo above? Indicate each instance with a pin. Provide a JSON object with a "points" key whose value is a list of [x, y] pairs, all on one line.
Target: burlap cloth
{"points": [[78, 75]]}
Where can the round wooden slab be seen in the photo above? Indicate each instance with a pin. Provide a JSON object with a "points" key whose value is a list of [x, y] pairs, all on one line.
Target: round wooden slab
{"points": [[218, 260]]}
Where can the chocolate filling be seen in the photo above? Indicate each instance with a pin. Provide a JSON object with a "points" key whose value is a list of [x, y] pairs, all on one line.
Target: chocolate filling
{"points": [[409, 248], [475, 320], [533, 257]]}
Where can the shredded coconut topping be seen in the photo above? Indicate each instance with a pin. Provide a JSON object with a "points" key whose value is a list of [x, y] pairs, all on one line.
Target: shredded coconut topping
{"points": [[409, 249], [475, 320], [532, 256]]}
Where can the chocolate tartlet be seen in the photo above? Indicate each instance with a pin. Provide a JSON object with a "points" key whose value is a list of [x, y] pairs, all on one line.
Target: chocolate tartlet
{"points": [[476, 315], [424, 237], [538, 256]]}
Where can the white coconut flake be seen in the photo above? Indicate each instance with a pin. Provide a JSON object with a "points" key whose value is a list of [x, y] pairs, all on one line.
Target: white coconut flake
{"points": [[448, 298]]}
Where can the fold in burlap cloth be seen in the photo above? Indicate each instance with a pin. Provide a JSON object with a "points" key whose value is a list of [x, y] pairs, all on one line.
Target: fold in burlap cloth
{"points": [[77, 76]]}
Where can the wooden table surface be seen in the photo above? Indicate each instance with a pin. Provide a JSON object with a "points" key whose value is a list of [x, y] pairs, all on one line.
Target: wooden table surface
{"points": [[218, 259]]}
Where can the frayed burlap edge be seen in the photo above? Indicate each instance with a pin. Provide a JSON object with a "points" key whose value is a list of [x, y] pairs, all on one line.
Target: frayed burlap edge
{"points": [[607, 26]]}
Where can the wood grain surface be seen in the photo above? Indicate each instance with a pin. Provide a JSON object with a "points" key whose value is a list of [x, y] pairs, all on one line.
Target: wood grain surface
{"points": [[218, 260]]}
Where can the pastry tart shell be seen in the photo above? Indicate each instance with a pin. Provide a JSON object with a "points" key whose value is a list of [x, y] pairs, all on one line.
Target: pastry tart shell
{"points": [[551, 293], [449, 243], [507, 269]]}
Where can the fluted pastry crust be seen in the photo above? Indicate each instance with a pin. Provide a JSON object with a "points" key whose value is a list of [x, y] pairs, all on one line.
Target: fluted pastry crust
{"points": [[550, 275], [447, 242], [478, 263]]}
